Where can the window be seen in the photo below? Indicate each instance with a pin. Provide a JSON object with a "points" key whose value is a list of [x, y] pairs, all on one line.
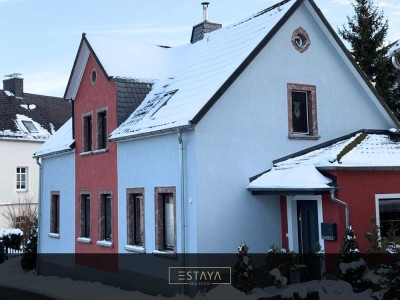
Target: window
{"points": [[102, 130], [29, 125], [300, 40], [87, 133], [55, 213], [93, 76], [389, 216], [135, 217], [22, 178], [85, 215], [302, 111], [105, 220], [165, 219]]}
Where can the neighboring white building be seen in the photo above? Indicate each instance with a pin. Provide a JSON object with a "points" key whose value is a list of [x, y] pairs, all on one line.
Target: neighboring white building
{"points": [[26, 122]]}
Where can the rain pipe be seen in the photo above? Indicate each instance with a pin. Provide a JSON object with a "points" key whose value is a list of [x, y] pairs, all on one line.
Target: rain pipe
{"points": [[40, 213], [340, 202], [182, 185]]}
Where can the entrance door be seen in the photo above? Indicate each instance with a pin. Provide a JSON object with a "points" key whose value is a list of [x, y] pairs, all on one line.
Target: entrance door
{"points": [[307, 215]]}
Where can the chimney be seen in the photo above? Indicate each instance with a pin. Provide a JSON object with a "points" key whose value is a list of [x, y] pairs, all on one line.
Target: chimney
{"points": [[204, 27], [14, 84], [205, 10]]}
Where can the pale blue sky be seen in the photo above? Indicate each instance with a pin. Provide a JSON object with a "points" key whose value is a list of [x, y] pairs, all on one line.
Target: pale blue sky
{"points": [[40, 38]]}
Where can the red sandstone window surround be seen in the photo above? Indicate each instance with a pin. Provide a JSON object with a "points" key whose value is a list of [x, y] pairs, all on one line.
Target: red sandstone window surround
{"points": [[135, 217], [55, 213], [302, 111], [165, 209]]}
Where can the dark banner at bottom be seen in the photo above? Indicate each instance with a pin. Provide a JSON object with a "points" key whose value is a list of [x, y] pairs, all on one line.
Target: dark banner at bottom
{"points": [[257, 276]]}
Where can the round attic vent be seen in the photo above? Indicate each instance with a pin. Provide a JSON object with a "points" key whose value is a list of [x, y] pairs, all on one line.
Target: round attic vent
{"points": [[300, 40], [93, 76]]}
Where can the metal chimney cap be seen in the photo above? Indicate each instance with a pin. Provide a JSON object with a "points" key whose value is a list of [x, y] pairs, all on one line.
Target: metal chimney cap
{"points": [[205, 3]]}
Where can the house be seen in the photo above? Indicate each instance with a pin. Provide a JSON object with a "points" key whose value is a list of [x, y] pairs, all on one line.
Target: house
{"points": [[326, 188], [186, 128], [26, 122]]}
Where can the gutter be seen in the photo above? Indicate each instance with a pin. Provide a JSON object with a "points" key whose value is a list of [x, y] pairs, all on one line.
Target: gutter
{"points": [[151, 133], [40, 214], [345, 205], [182, 185]]}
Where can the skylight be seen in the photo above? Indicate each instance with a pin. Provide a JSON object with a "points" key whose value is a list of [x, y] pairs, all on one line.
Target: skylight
{"points": [[29, 125]]}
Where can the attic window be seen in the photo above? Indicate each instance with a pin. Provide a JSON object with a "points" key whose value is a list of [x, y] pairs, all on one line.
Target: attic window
{"points": [[29, 125], [300, 40], [93, 76]]}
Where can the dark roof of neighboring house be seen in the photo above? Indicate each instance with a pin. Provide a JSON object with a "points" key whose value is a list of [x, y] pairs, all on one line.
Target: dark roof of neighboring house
{"points": [[47, 113]]}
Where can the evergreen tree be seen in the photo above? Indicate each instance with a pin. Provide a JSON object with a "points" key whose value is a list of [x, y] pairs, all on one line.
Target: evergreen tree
{"points": [[366, 31], [244, 269], [28, 261], [350, 251]]}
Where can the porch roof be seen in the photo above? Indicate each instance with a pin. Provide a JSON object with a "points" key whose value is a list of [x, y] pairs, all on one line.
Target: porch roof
{"points": [[302, 179]]}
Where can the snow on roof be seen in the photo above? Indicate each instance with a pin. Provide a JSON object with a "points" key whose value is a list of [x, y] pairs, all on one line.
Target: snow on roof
{"points": [[360, 150], [30, 129], [9, 94], [7, 231], [123, 57], [303, 176], [60, 141], [182, 73]]}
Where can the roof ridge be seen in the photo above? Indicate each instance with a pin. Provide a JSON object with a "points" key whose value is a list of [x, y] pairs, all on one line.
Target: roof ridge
{"points": [[358, 140]]}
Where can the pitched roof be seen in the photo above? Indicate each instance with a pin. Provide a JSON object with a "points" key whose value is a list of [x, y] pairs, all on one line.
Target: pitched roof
{"points": [[300, 172], [366, 149], [60, 142], [188, 80], [179, 74], [47, 114]]}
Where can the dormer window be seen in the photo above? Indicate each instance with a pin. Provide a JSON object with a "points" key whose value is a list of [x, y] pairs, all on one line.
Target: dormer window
{"points": [[29, 125]]}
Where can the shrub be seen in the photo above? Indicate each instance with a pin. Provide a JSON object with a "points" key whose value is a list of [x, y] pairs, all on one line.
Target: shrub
{"points": [[28, 261], [244, 278]]}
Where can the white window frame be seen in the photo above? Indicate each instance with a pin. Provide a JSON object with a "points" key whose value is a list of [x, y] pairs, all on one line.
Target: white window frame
{"points": [[19, 176], [292, 234], [379, 197]]}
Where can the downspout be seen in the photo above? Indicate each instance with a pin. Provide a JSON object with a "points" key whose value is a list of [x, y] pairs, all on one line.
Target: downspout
{"points": [[40, 214], [182, 182], [340, 202]]}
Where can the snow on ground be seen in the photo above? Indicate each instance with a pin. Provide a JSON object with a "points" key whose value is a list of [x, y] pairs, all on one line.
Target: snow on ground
{"points": [[11, 275], [7, 231]]}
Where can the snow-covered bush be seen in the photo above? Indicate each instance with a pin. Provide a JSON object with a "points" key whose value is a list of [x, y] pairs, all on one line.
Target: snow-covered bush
{"points": [[28, 261], [352, 266], [244, 278], [282, 260]]}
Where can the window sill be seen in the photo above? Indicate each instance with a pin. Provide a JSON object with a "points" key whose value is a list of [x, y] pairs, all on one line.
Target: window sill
{"points": [[54, 235], [137, 249], [84, 240], [87, 153], [300, 136], [22, 191], [104, 244], [100, 151], [165, 253]]}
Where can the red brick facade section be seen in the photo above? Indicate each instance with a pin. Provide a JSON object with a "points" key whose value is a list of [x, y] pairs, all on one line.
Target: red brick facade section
{"points": [[96, 171]]}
